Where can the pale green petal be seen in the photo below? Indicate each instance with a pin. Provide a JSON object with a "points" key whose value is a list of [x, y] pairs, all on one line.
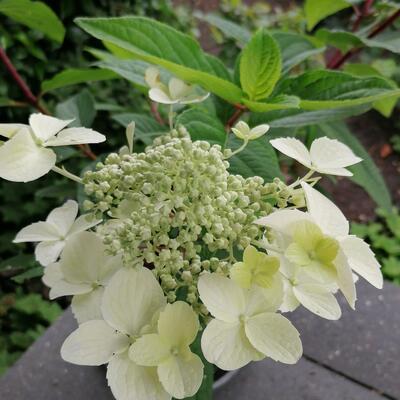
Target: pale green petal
{"points": [[250, 255], [293, 148], [74, 136], [22, 160], [86, 307], [178, 89], [296, 254], [225, 344], [290, 302], [321, 273], [159, 96], [223, 298], [307, 234], [129, 381], [274, 336], [258, 131], [63, 217], [362, 260], [48, 252], [181, 377], [326, 214], [83, 223], [241, 274], [326, 250], [131, 299], [345, 279], [37, 232], [178, 324], [9, 130], [330, 153], [44, 126], [283, 220], [93, 343], [150, 350], [194, 98], [318, 300]]}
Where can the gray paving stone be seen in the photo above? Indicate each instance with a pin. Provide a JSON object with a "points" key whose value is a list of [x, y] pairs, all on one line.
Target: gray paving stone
{"points": [[364, 344]]}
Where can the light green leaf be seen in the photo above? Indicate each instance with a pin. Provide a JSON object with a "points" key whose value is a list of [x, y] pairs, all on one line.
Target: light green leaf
{"points": [[386, 40], [81, 107], [146, 128], [320, 89], [156, 43], [343, 40], [366, 174], [35, 15], [317, 10], [74, 76], [258, 158], [280, 102], [260, 66], [202, 126]]}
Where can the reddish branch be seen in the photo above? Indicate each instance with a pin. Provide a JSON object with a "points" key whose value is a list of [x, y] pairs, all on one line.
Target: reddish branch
{"points": [[156, 114], [337, 62], [239, 110], [33, 100]]}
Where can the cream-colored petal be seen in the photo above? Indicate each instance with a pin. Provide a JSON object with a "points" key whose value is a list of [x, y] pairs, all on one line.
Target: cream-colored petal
{"points": [[129, 381], [9, 130], [150, 350], [290, 301], [44, 126], [223, 297], [37, 232], [63, 217], [86, 307], [83, 223], [335, 171], [362, 260], [93, 343], [225, 344], [181, 376], [130, 300], [258, 131], [179, 89], [330, 153], [241, 274], [293, 148], [22, 160], [325, 214], [319, 300], [48, 252], [178, 324], [274, 336], [194, 98], [159, 96], [52, 274], [345, 279], [73, 136]]}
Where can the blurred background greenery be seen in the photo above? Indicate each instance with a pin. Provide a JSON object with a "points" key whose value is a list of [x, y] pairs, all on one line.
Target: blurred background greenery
{"points": [[24, 307]]}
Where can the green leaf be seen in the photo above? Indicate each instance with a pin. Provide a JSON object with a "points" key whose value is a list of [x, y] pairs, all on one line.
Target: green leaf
{"points": [[34, 304], [156, 43], [202, 126], [317, 10], [297, 118], [74, 76], [343, 40], [386, 40], [35, 15], [260, 66], [281, 102], [295, 48], [31, 273], [366, 174], [258, 158], [320, 89], [81, 107], [146, 128]]}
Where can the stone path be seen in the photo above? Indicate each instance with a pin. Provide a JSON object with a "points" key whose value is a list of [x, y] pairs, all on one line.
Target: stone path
{"points": [[355, 358]]}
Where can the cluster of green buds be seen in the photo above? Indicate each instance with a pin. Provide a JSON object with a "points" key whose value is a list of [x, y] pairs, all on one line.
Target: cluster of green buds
{"points": [[178, 210]]}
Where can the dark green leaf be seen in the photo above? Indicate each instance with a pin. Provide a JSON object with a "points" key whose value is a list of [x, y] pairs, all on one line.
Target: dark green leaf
{"points": [[317, 10]]}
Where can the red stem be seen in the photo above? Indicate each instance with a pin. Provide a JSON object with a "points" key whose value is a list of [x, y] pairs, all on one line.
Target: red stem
{"points": [[156, 114], [31, 98], [239, 110]]}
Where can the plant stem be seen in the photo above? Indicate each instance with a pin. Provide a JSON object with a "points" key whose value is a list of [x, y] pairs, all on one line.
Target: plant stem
{"points": [[171, 117], [242, 147], [31, 99], [69, 175], [306, 177], [156, 114], [235, 116]]}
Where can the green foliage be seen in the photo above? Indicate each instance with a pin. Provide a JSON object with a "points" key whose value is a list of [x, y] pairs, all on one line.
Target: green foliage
{"points": [[260, 66], [36, 15], [384, 237]]}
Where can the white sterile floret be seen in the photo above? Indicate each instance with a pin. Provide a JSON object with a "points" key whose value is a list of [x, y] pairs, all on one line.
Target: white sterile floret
{"points": [[53, 233], [246, 326], [130, 302], [243, 131], [180, 371], [26, 156], [175, 92], [327, 156], [318, 243], [84, 270]]}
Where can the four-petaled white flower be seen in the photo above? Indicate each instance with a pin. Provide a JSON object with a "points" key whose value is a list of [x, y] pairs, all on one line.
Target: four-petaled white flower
{"points": [[180, 371], [26, 155], [318, 243], [84, 270], [130, 302], [53, 233], [246, 326], [243, 131], [177, 91], [327, 156]]}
